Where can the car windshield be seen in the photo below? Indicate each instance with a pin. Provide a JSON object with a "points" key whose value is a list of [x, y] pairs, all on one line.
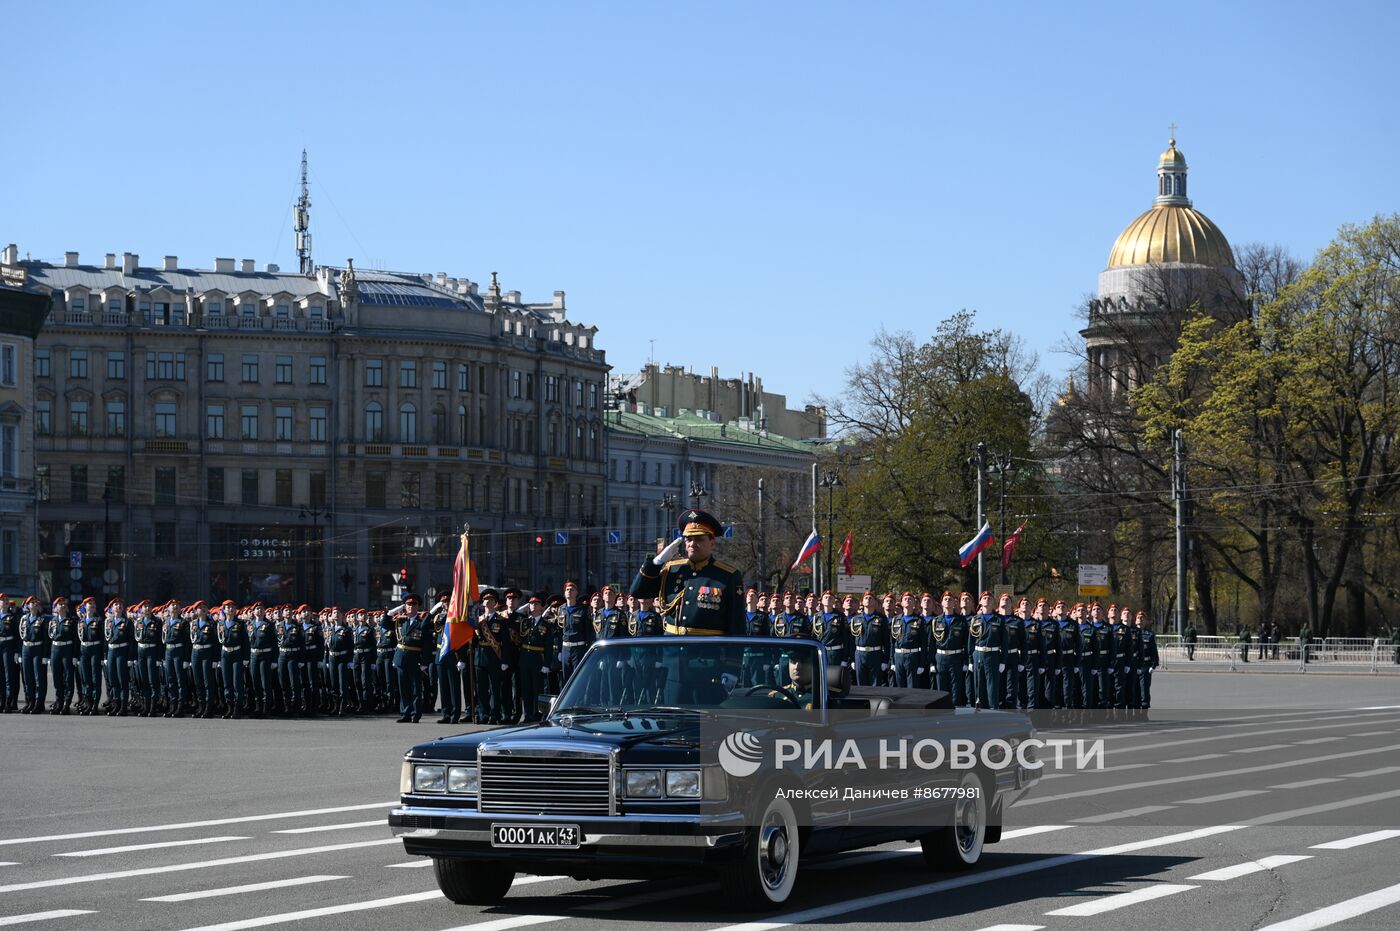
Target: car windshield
{"points": [[694, 673]]}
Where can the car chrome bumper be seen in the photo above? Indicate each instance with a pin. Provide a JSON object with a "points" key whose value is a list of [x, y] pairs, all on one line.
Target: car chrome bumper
{"points": [[468, 826]]}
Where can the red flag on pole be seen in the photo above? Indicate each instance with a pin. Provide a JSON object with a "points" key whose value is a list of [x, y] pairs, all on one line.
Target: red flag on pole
{"points": [[464, 592], [1009, 547], [848, 562]]}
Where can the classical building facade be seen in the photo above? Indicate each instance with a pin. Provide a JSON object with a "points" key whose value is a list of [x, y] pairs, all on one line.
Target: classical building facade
{"points": [[23, 309], [675, 392], [256, 434]]}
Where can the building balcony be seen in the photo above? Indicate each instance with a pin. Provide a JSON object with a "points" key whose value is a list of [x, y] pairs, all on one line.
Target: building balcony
{"points": [[121, 319]]}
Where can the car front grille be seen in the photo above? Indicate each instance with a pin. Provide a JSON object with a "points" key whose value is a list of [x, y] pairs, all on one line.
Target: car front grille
{"points": [[527, 784]]}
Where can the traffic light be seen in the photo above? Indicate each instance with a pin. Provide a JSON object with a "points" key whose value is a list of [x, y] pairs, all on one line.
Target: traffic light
{"points": [[539, 540], [403, 577]]}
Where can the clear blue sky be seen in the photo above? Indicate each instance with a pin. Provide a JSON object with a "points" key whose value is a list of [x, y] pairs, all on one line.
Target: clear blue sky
{"points": [[757, 186]]}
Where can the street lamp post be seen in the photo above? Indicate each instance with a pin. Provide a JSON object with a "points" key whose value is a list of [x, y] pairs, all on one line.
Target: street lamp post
{"points": [[697, 491], [1004, 465], [829, 481], [312, 583]]}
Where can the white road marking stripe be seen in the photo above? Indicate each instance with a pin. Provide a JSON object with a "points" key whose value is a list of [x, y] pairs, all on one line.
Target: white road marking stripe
{"points": [[1225, 797], [378, 822], [1116, 815], [1195, 759], [415, 865], [342, 909], [1281, 816], [1370, 734], [1306, 783], [8, 863], [505, 924], [1317, 740], [147, 829], [44, 916], [972, 879], [1122, 900], [1253, 866], [1196, 777], [1033, 830], [1360, 840], [1380, 708], [1013, 928], [192, 842], [1383, 771], [1342, 911], [1349, 719], [1261, 749], [237, 890], [858, 859], [196, 865]]}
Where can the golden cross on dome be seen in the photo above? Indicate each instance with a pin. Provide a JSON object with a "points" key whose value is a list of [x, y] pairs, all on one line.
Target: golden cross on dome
{"points": [[1172, 129]]}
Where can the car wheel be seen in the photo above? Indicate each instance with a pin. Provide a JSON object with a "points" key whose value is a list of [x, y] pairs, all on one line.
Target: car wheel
{"points": [[764, 875], [959, 845], [472, 883]]}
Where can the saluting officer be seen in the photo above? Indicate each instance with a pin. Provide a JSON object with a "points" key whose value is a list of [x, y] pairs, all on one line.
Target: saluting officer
{"points": [[413, 638], [63, 654], [909, 645], [987, 633], [949, 632], [92, 650], [871, 631], [697, 595], [233, 657], [537, 635]]}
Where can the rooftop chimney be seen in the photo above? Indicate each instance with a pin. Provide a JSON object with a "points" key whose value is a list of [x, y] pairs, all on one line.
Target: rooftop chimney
{"points": [[513, 297], [249, 266], [441, 279], [11, 254], [110, 260], [70, 259], [273, 269], [223, 266], [130, 260], [559, 299], [172, 263]]}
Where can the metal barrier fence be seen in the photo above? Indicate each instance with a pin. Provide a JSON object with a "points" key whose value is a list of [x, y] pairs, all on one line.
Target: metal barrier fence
{"points": [[1366, 652]]}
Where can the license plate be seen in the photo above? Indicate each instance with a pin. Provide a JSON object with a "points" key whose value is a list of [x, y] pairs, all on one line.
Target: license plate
{"points": [[556, 836]]}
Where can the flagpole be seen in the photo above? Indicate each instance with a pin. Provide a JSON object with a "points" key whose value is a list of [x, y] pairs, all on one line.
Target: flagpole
{"points": [[814, 526], [981, 506]]}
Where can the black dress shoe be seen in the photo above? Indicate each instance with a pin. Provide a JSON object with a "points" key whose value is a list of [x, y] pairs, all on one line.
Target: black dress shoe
{"points": [[416, 718], [445, 719], [406, 719]]}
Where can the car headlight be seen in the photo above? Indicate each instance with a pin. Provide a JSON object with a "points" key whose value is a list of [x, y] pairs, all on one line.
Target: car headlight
{"points": [[430, 779], [406, 778], [683, 783], [463, 780], [643, 783]]}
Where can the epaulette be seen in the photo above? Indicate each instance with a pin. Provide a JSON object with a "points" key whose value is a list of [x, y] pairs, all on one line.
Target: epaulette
{"points": [[676, 562], [725, 566]]}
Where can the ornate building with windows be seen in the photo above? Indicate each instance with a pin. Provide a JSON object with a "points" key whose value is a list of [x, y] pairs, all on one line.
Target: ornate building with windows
{"points": [[258, 434], [23, 309]]}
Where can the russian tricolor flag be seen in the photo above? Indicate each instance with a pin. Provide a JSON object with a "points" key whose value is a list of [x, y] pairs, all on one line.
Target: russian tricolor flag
{"points": [[809, 549], [977, 544]]}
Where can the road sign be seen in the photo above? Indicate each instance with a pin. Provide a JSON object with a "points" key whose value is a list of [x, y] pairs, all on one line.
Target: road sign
{"points": [[75, 559], [561, 537], [852, 584], [729, 531], [1093, 579], [614, 537]]}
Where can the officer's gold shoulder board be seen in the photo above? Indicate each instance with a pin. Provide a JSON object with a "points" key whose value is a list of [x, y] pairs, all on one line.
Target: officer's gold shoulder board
{"points": [[725, 566], [676, 563]]}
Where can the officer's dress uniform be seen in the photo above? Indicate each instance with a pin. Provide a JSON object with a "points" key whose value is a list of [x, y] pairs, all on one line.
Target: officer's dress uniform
{"points": [[754, 669], [263, 662], [363, 663], [1126, 645], [1013, 653], [646, 677], [1148, 661], [1071, 694], [386, 645], [1102, 639], [413, 636], [872, 643], [148, 659], [537, 638], [611, 676], [204, 658], [9, 661], [340, 652], [34, 660], [175, 633], [119, 632], [987, 634], [234, 644], [449, 679], [495, 648], [1033, 656], [949, 635], [909, 650], [834, 632], [698, 599], [575, 637], [313, 657], [63, 658], [291, 639], [92, 650]]}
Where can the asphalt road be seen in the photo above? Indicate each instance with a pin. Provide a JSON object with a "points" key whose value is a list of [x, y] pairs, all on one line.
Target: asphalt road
{"points": [[1277, 809]]}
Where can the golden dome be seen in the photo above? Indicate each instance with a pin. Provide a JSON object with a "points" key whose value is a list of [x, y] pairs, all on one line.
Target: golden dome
{"points": [[1172, 158], [1172, 233]]}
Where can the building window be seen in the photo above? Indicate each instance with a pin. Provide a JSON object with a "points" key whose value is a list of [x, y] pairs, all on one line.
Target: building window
{"points": [[214, 487], [374, 422], [410, 495], [41, 363], [165, 418], [247, 309], [78, 485], [529, 386], [469, 493], [444, 491], [440, 375], [77, 363], [316, 428], [283, 370], [553, 438], [165, 487], [440, 426], [282, 422], [165, 541], [214, 421], [462, 425], [517, 441], [250, 486], [165, 366], [593, 395], [408, 423], [250, 368], [464, 377], [481, 384], [318, 370], [284, 488], [42, 488], [408, 374], [43, 418], [7, 364], [9, 450], [213, 308], [551, 388], [115, 492], [374, 373], [249, 416], [9, 551], [284, 311], [375, 493], [318, 489], [116, 418], [578, 393], [515, 384], [78, 418], [214, 367], [116, 366]]}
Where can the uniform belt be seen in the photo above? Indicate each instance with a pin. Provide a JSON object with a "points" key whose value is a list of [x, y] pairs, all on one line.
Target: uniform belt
{"points": [[989, 649], [526, 646], [359, 650], [264, 649], [204, 646], [908, 650], [410, 649], [575, 643], [951, 652], [60, 643], [148, 646], [33, 643], [868, 649], [7, 639], [341, 652], [676, 630]]}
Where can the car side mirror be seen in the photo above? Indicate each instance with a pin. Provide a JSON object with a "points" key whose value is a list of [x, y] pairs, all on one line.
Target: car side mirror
{"points": [[544, 704]]}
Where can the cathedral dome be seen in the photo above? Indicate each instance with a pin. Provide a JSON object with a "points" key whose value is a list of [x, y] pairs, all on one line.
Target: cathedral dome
{"points": [[1172, 232]]}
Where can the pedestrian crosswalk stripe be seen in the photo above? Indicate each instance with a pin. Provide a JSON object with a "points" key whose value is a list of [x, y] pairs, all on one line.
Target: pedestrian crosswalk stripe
{"points": [[1122, 900], [1252, 866], [238, 890], [1342, 911], [1358, 841], [131, 848]]}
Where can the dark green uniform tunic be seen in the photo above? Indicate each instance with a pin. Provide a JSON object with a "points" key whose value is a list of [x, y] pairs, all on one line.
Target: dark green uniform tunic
{"points": [[705, 599]]}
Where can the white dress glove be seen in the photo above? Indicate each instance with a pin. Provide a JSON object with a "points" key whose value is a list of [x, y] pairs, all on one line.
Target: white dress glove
{"points": [[461, 667], [544, 669], [505, 666], [669, 553], [921, 670], [1001, 667], [1020, 668], [884, 667]]}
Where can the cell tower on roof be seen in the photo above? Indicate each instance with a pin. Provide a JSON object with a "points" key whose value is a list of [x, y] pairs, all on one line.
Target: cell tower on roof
{"points": [[302, 224]]}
